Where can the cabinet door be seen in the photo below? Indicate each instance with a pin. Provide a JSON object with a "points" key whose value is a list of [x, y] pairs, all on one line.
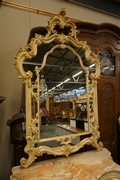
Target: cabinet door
{"points": [[108, 113], [50, 107], [102, 38], [51, 104]]}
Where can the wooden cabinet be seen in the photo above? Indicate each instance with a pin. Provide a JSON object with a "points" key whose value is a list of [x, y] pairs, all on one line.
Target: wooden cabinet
{"points": [[66, 130], [17, 136], [50, 107], [102, 38], [108, 113], [64, 105], [79, 123]]}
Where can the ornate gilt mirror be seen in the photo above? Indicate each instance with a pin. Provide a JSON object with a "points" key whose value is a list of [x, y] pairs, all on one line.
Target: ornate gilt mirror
{"points": [[60, 37]]}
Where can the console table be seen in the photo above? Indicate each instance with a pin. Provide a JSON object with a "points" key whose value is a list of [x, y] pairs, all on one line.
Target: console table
{"points": [[89, 165]]}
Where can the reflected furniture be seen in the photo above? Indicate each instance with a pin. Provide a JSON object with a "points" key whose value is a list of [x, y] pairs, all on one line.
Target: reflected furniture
{"points": [[64, 115], [79, 123], [50, 107], [63, 109], [67, 129]]}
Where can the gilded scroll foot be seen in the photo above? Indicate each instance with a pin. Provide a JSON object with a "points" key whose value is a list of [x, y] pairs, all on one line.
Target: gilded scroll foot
{"points": [[29, 149]]}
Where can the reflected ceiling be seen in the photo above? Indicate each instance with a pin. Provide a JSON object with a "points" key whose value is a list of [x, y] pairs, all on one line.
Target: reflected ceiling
{"points": [[60, 71]]}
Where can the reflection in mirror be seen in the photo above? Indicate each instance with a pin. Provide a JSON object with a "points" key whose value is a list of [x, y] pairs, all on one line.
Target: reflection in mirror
{"points": [[57, 93], [60, 75]]}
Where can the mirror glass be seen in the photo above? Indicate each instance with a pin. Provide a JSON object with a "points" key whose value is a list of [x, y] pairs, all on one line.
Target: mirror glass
{"points": [[62, 85], [60, 75]]}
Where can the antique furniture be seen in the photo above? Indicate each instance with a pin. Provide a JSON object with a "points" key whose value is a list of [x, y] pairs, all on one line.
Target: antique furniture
{"points": [[105, 40], [91, 165], [17, 136], [64, 115], [60, 35], [63, 109], [50, 107]]}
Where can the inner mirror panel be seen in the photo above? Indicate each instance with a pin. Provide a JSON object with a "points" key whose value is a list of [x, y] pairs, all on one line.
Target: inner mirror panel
{"points": [[62, 85], [60, 74]]}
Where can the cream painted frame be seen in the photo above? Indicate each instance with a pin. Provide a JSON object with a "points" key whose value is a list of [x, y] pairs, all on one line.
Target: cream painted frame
{"points": [[32, 124]]}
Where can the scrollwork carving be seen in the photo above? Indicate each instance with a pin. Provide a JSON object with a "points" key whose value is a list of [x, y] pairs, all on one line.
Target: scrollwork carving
{"points": [[107, 91], [55, 31], [61, 21]]}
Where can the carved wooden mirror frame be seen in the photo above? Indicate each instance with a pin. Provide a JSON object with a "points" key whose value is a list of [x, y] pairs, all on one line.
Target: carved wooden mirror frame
{"points": [[32, 124]]}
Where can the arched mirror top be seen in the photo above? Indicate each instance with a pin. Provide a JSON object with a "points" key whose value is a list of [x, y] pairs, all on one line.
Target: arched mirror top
{"points": [[64, 32], [59, 37]]}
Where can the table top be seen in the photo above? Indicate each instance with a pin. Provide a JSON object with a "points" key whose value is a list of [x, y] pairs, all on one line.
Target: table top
{"points": [[88, 165], [70, 128]]}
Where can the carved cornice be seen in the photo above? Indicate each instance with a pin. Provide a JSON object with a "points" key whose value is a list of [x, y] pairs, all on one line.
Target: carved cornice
{"points": [[91, 28], [100, 37]]}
